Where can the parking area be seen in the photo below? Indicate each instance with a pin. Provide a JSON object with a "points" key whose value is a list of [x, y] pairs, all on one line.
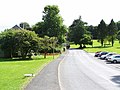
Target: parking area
{"points": [[115, 66]]}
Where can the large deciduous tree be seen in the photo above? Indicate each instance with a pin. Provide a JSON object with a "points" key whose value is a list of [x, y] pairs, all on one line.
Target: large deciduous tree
{"points": [[112, 31], [52, 24], [22, 41], [78, 33], [39, 29]]}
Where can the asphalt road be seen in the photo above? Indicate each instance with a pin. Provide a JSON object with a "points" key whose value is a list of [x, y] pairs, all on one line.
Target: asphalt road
{"points": [[81, 71], [77, 70]]}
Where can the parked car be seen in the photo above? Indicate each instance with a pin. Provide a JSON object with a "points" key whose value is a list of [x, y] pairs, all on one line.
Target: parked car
{"points": [[97, 54], [106, 55], [102, 53], [109, 56], [114, 58]]}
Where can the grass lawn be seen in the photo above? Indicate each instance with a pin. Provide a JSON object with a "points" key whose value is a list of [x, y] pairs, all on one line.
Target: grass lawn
{"points": [[74, 46], [97, 47], [12, 71], [109, 48]]}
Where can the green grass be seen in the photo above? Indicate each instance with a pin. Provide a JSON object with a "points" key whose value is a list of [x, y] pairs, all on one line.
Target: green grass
{"points": [[74, 46], [97, 47], [108, 47], [12, 71]]}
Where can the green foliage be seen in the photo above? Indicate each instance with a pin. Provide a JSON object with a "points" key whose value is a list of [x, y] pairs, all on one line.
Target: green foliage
{"points": [[52, 24], [39, 29], [78, 33], [118, 25], [112, 31], [93, 31], [47, 43], [102, 31], [118, 36], [23, 41]]}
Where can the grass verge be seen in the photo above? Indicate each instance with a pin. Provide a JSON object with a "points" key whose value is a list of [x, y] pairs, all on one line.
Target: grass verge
{"points": [[12, 71]]}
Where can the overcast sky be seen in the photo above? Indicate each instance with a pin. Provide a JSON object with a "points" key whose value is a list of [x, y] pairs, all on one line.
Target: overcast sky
{"points": [[92, 11]]}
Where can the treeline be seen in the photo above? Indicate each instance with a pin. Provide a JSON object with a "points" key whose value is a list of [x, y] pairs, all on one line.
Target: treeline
{"points": [[82, 34], [106, 32], [42, 37], [45, 35]]}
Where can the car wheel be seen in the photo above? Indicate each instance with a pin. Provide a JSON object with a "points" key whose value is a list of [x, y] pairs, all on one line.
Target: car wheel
{"points": [[114, 61]]}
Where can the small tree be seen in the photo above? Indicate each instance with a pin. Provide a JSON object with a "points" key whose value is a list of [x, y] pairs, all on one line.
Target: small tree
{"points": [[47, 44]]}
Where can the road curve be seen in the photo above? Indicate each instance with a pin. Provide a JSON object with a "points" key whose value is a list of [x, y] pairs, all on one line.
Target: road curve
{"points": [[47, 79], [76, 70], [80, 71]]}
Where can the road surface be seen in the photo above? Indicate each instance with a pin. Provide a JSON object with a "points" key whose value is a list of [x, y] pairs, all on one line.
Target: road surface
{"points": [[77, 70]]}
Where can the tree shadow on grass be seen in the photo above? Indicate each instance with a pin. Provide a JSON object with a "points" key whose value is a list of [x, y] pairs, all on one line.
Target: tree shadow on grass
{"points": [[99, 47], [11, 60], [92, 47], [116, 79], [118, 47]]}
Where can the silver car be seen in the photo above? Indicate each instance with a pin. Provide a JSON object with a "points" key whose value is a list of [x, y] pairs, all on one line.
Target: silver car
{"points": [[107, 55], [114, 58]]}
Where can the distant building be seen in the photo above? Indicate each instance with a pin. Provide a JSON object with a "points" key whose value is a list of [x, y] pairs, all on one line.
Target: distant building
{"points": [[4, 54], [16, 27]]}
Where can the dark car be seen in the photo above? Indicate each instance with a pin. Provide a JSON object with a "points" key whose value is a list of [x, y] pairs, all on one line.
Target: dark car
{"points": [[97, 53], [102, 53]]}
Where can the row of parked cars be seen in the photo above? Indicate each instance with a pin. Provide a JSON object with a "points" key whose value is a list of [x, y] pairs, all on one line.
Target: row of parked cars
{"points": [[108, 56]]}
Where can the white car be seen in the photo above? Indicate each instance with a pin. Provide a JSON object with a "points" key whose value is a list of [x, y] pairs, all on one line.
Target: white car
{"points": [[114, 58], [107, 55]]}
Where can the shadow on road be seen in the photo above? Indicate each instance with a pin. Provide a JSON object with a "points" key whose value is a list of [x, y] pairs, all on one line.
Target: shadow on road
{"points": [[116, 79], [112, 63]]}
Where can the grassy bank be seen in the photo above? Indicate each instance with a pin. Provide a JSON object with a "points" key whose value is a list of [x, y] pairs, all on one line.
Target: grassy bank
{"points": [[108, 47], [12, 71], [97, 47]]}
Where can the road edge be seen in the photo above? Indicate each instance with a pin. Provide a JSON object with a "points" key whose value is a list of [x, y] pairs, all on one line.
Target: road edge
{"points": [[59, 81]]}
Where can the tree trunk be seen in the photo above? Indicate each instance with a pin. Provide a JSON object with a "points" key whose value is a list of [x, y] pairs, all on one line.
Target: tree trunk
{"points": [[80, 46], [112, 41], [101, 42], [45, 53]]}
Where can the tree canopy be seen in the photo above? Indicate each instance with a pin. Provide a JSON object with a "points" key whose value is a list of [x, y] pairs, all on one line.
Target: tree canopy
{"points": [[52, 24], [22, 41], [78, 33], [112, 31], [102, 31]]}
